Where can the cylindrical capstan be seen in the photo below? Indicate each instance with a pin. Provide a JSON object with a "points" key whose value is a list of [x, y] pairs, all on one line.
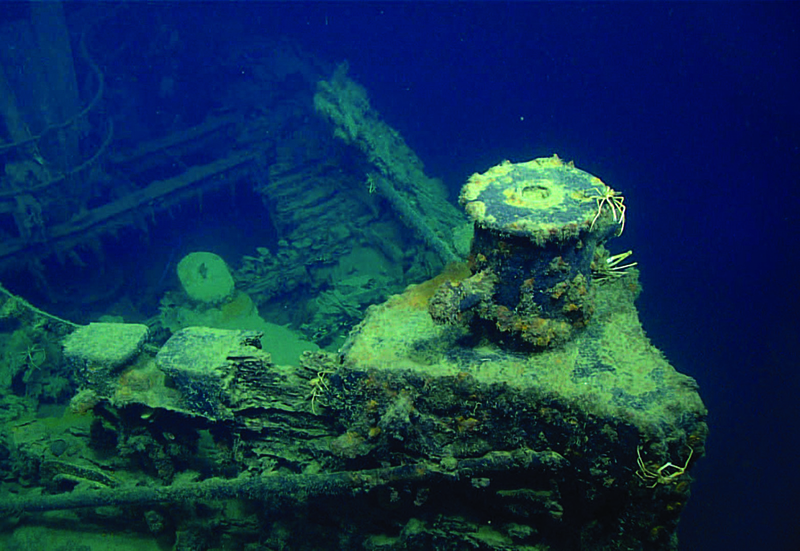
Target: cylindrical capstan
{"points": [[537, 225]]}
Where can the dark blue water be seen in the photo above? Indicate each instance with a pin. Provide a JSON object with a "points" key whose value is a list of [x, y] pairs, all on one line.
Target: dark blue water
{"points": [[692, 111]]}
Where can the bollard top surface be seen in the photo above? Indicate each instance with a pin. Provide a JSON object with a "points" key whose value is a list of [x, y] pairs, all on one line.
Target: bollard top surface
{"points": [[543, 198]]}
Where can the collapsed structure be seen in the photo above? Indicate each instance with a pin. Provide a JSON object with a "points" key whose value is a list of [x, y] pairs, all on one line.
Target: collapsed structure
{"points": [[512, 401]]}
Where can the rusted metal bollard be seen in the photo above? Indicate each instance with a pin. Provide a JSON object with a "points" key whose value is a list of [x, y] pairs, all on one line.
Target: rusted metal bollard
{"points": [[537, 225]]}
